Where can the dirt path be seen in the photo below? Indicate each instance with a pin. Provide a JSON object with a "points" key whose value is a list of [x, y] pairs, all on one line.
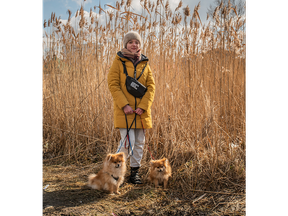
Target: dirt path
{"points": [[66, 193]]}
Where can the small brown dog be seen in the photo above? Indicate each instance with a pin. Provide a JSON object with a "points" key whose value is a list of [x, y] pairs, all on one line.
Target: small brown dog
{"points": [[160, 171], [111, 176]]}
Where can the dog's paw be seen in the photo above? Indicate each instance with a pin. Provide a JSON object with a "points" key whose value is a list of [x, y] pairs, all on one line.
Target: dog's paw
{"points": [[111, 194]]}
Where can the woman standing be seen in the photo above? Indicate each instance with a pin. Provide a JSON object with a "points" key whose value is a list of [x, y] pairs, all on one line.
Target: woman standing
{"points": [[125, 104]]}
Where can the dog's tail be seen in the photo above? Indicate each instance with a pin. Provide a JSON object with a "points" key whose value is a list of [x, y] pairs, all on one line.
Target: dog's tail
{"points": [[90, 179]]}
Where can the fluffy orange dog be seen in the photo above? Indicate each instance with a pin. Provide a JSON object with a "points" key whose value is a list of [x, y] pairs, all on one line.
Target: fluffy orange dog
{"points": [[111, 176], [160, 171]]}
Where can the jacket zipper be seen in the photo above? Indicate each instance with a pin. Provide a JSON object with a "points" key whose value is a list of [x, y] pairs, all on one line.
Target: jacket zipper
{"points": [[134, 78], [135, 67], [133, 64]]}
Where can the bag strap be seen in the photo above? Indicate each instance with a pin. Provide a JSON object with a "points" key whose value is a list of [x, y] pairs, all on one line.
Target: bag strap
{"points": [[142, 70], [125, 70]]}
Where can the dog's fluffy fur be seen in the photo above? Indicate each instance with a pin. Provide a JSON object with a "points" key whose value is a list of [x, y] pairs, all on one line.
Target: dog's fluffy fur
{"points": [[111, 176], [160, 171]]}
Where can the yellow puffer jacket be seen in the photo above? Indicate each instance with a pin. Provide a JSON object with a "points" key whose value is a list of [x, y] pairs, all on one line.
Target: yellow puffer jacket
{"points": [[121, 97]]}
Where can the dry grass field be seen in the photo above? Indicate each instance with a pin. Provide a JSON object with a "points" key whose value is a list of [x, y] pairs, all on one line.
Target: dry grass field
{"points": [[198, 110], [67, 194]]}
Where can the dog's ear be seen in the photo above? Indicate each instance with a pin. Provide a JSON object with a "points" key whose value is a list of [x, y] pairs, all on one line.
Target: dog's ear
{"points": [[166, 162], [151, 162], [122, 154], [108, 157]]}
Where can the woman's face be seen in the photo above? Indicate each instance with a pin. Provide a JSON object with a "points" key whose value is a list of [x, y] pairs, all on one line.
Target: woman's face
{"points": [[133, 45]]}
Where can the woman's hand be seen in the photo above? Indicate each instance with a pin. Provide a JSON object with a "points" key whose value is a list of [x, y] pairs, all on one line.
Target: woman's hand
{"points": [[139, 111], [127, 110]]}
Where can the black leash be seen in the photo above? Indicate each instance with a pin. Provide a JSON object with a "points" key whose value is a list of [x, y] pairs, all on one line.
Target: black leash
{"points": [[127, 135]]}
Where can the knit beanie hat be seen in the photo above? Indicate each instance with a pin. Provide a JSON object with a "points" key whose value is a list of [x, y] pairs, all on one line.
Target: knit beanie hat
{"points": [[131, 35]]}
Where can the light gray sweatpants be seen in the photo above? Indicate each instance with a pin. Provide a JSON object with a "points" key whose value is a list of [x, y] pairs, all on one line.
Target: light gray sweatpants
{"points": [[137, 140]]}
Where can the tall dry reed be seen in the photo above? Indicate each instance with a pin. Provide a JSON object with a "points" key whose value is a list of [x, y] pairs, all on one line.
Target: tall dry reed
{"points": [[199, 107]]}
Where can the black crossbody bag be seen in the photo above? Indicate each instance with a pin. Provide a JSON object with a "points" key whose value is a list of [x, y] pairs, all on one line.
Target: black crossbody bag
{"points": [[134, 87]]}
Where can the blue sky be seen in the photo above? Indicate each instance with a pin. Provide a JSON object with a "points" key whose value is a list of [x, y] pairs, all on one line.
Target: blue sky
{"points": [[60, 7]]}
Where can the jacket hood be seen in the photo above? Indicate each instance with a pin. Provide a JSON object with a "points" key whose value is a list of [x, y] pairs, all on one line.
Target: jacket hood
{"points": [[143, 57]]}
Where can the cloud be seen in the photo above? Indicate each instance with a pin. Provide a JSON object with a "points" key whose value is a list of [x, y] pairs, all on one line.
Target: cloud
{"points": [[136, 6], [173, 4], [79, 2], [74, 22]]}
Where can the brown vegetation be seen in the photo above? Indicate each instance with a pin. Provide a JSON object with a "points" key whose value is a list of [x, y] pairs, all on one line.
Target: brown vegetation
{"points": [[199, 107]]}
